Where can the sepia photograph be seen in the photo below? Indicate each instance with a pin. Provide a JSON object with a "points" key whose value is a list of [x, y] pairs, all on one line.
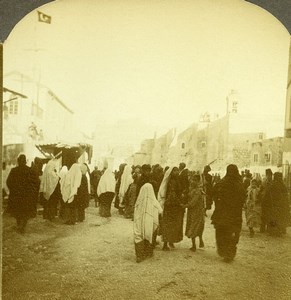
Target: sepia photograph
{"points": [[146, 149]]}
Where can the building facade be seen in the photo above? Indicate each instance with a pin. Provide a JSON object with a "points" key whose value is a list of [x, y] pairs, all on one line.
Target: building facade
{"points": [[267, 154], [32, 114]]}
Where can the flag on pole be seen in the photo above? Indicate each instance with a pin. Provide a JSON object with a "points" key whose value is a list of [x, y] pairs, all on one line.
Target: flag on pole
{"points": [[44, 18]]}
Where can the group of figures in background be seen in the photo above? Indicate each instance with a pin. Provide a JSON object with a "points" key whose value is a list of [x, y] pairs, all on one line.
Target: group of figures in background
{"points": [[155, 199]]}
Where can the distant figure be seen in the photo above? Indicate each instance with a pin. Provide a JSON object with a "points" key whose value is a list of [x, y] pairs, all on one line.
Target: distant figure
{"points": [[145, 176], [130, 198], [264, 196], [21, 187], [126, 181], [106, 191], [229, 198], [117, 187], [253, 208], [247, 179], [5, 173], [146, 219], [207, 186], [195, 212], [82, 197], [32, 131], [157, 178], [36, 169], [95, 178]]}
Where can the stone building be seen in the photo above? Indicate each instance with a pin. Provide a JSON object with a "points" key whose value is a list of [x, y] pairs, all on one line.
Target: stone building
{"points": [[144, 155], [267, 154], [160, 151]]}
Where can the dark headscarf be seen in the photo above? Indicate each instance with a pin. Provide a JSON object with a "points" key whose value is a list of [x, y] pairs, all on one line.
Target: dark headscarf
{"points": [[232, 171]]}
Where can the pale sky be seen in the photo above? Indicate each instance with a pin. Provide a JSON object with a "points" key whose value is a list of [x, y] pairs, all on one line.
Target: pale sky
{"points": [[162, 62]]}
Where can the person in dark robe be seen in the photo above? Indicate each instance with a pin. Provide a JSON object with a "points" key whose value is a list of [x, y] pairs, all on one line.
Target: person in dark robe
{"points": [[36, 170], [95, 178], [82, 197], [195, 212], [264, 197], [130, 198], [22, 190], [207, 183], [278, 218], [117, 188], [247, 180], [184, 182], [157, 178], [106, 191], [229, 198], [173, 213], [145, 177]]}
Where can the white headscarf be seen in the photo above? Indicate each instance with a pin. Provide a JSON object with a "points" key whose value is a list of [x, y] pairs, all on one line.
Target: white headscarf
{"points": [[126, 180], [107, 183], [163, 188], [63, 171], [146, 214], [71, 182], [49, 179]]}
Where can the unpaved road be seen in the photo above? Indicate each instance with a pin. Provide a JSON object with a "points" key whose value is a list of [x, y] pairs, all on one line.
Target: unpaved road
{"points": [[96, 260]]}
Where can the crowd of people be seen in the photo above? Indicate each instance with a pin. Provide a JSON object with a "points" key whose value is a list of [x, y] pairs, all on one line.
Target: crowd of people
{"points": [[155, 199]]}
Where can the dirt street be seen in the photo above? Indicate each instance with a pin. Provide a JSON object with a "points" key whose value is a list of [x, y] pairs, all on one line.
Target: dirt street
{"points": [[96, 260]]}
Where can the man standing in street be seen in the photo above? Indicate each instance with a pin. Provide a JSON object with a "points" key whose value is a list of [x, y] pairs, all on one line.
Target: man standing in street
{"points": [[21, 185]]}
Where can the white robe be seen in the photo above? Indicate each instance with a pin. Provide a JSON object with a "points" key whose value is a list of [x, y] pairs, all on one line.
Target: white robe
{"points": [[70, 183], [107, 183], [49, 179], [146, 214]]}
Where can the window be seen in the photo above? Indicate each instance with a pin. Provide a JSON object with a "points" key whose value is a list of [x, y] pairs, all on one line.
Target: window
{"points": [[260, 136], [13, 107], [256, 157], [268, 157], [183, 145]]}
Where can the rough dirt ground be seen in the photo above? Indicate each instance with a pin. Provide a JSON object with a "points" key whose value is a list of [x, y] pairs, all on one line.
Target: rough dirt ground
{"points": [[96, 260]]}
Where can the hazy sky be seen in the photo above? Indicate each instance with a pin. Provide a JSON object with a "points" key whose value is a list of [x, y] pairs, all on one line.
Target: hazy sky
{"points": [[164, 62]]}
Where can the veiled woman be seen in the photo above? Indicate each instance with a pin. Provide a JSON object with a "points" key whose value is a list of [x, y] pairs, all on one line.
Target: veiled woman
{"points": [[50, 190], [173, 213], [146, 221], [278, 217], [82, 197], [126, 180], [106, 192], [229, 197], [70, 184]]}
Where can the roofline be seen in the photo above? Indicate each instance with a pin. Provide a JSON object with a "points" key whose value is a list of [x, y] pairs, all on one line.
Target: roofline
{"points": [[13, 92], [60, 101], [41, 85]]}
